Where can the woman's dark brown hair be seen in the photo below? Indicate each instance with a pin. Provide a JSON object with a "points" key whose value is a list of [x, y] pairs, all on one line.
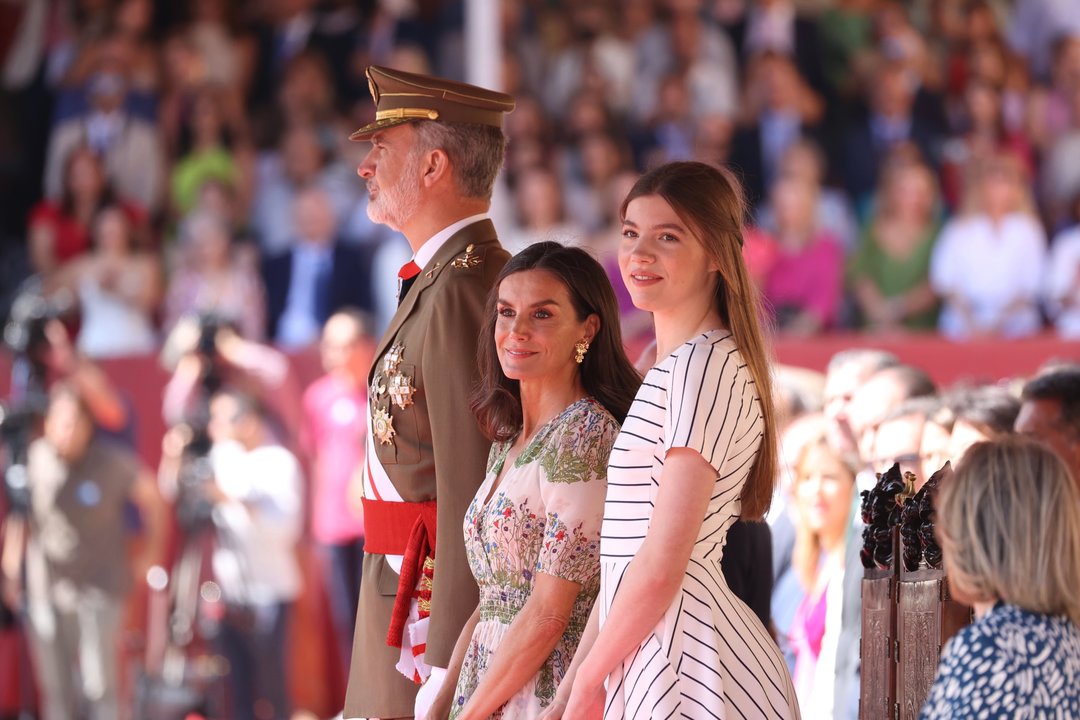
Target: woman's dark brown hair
{"points": [[606, 373], [710, 201]]}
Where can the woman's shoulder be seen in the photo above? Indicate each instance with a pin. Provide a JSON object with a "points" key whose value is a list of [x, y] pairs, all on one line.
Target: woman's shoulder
{"points": [[704, 353], [1020, 634], [583, 418]]}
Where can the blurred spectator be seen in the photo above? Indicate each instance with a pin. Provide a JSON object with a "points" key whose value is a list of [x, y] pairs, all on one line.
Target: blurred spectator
{"points": [[1050, 411], [845, 29], [223, 53], [77, 570], [936, 436], [685, 41], [335, 434], [989, 262], [778, 111], [982, 135], [982, 413], [129, 146], [118, 286], [878, 396], [586, 195], [211, 280], [60, 229], [1062, 283], [302, 159], [802, 272], [539, 202], [824, 490], [805, 160], [846, 373], [893, 119], [1036, 25], [1053, 109], [314, 279], [209, 150], [126, 42], [253, 368], [775, 26], [898, 438], [1060, 177], [890, 271], [258, 516]]}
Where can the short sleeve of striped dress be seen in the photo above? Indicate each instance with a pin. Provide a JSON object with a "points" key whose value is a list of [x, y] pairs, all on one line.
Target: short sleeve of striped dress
{"points": [[712, 403]]}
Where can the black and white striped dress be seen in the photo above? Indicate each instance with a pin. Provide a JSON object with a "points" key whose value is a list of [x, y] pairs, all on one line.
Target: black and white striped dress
{"points": [[709, 657]]}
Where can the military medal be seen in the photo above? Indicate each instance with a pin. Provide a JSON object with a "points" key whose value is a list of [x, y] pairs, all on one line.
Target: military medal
{"points": [[392, 358], [383, 425], [401, 391], [467, 260]]}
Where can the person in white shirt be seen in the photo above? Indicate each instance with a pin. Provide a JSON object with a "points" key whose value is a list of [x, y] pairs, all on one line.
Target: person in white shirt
{"points": [[256, 491], [988, 265]]}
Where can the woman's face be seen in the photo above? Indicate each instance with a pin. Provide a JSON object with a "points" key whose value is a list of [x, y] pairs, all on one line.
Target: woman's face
{"points": [[912, 194], [85, 177], [663, 264], [113, 234], [823, 491], [537, 327], [1000, 194], [210, 246]]}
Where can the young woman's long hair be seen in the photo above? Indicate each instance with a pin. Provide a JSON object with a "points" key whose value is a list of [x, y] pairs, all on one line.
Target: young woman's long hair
{"points": [[606, 373], [710, 201]]}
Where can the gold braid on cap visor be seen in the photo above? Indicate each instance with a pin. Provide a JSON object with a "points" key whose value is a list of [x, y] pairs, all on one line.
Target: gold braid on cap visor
{"points": [[407, 113]]}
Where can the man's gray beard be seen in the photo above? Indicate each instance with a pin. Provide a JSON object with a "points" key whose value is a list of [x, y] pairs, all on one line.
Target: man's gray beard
{"points": [[394, 207]]}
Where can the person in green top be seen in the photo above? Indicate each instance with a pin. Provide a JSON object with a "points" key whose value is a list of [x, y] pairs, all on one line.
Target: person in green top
{"points": [[889, 271]]}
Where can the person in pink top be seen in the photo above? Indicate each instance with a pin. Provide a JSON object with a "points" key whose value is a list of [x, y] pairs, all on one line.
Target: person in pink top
{"points": [[334, 437]]}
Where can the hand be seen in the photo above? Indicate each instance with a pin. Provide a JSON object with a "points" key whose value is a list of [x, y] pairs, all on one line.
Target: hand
{"points": [[555, 710], [62, 355], [585, 703], [175, 440]]}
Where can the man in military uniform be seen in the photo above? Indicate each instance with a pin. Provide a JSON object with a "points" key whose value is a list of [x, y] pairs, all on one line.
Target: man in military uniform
{"points": [[437, 147]]}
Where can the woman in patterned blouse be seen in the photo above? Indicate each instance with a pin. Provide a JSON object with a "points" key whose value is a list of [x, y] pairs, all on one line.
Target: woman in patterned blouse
{"points": [[1009, 524], [554, 386]]}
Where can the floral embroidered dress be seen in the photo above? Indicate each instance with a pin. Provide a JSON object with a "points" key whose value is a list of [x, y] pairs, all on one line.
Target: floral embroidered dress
{"points": [[544, 517]]}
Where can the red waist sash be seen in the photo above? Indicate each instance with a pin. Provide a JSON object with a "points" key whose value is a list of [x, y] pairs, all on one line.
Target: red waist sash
{"points": [[407, 529]]}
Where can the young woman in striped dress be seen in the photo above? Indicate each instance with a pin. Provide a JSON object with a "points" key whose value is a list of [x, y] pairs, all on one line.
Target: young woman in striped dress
{"points": [[667, 637]]}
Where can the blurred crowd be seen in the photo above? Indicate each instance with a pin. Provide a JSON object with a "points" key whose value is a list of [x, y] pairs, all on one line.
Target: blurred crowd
{"points": [[908, 165], [181, 173]]}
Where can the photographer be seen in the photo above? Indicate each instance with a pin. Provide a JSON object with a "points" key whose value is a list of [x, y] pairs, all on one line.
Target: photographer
{"points": [[76, 579], [208, 347], [253, 495]]}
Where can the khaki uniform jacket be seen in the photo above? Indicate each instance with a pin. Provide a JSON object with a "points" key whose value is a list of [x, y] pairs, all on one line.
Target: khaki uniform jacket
{"points": [[437, 452]]}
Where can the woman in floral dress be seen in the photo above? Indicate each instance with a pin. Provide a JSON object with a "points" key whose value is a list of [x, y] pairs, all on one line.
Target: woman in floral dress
{"points": [[555, 383]]}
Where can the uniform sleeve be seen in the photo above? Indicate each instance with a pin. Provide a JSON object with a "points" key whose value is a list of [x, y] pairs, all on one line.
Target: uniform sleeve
{"points": [[450, 346], [707, 399], [573, 489]]}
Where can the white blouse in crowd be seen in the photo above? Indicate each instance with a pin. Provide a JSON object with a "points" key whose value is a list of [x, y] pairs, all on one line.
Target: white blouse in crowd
{"points": [[989, 265], [1063, 283]]}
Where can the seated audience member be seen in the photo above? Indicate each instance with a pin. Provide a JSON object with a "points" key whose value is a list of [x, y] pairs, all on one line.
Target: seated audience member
{"points": [[257, 493], [130, 147], [334, 437], [989, 262], [532, 533], [541, 216], [1050, 411], [60, 229], [898, 437], [1009, 525], [802, 276], [879, 395], [982, 413], [845, 374], [77, 574], [118, 287], [212, 280], [823, 493], [317, 276], [1062, 285], [936, 436], [890, 271]]}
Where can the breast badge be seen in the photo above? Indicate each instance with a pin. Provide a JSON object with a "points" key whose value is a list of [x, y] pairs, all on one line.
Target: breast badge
{"points": [[401, 390], [392, 359], [383, 425]]}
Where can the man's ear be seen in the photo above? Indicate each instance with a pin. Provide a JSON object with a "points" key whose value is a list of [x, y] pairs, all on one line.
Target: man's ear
{"points": [[436, 166]]}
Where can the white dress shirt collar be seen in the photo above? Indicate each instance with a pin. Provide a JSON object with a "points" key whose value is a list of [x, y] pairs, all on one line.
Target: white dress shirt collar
{"points": [[428, 249]]}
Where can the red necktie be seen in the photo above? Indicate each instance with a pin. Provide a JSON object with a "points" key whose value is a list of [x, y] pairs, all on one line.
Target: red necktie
{"points": [[406, 276]]}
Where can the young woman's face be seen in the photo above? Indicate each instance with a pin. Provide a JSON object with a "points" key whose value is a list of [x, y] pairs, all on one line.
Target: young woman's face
{"points": [[823, 491], [537, 327], [665, 267]]}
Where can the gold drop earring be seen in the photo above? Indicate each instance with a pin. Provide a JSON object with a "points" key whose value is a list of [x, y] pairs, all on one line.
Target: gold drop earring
{"points": [[580, 349]]}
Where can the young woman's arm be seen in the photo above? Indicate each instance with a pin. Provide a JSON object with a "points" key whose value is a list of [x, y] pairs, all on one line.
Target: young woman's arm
{"points": [[653, 579]]}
